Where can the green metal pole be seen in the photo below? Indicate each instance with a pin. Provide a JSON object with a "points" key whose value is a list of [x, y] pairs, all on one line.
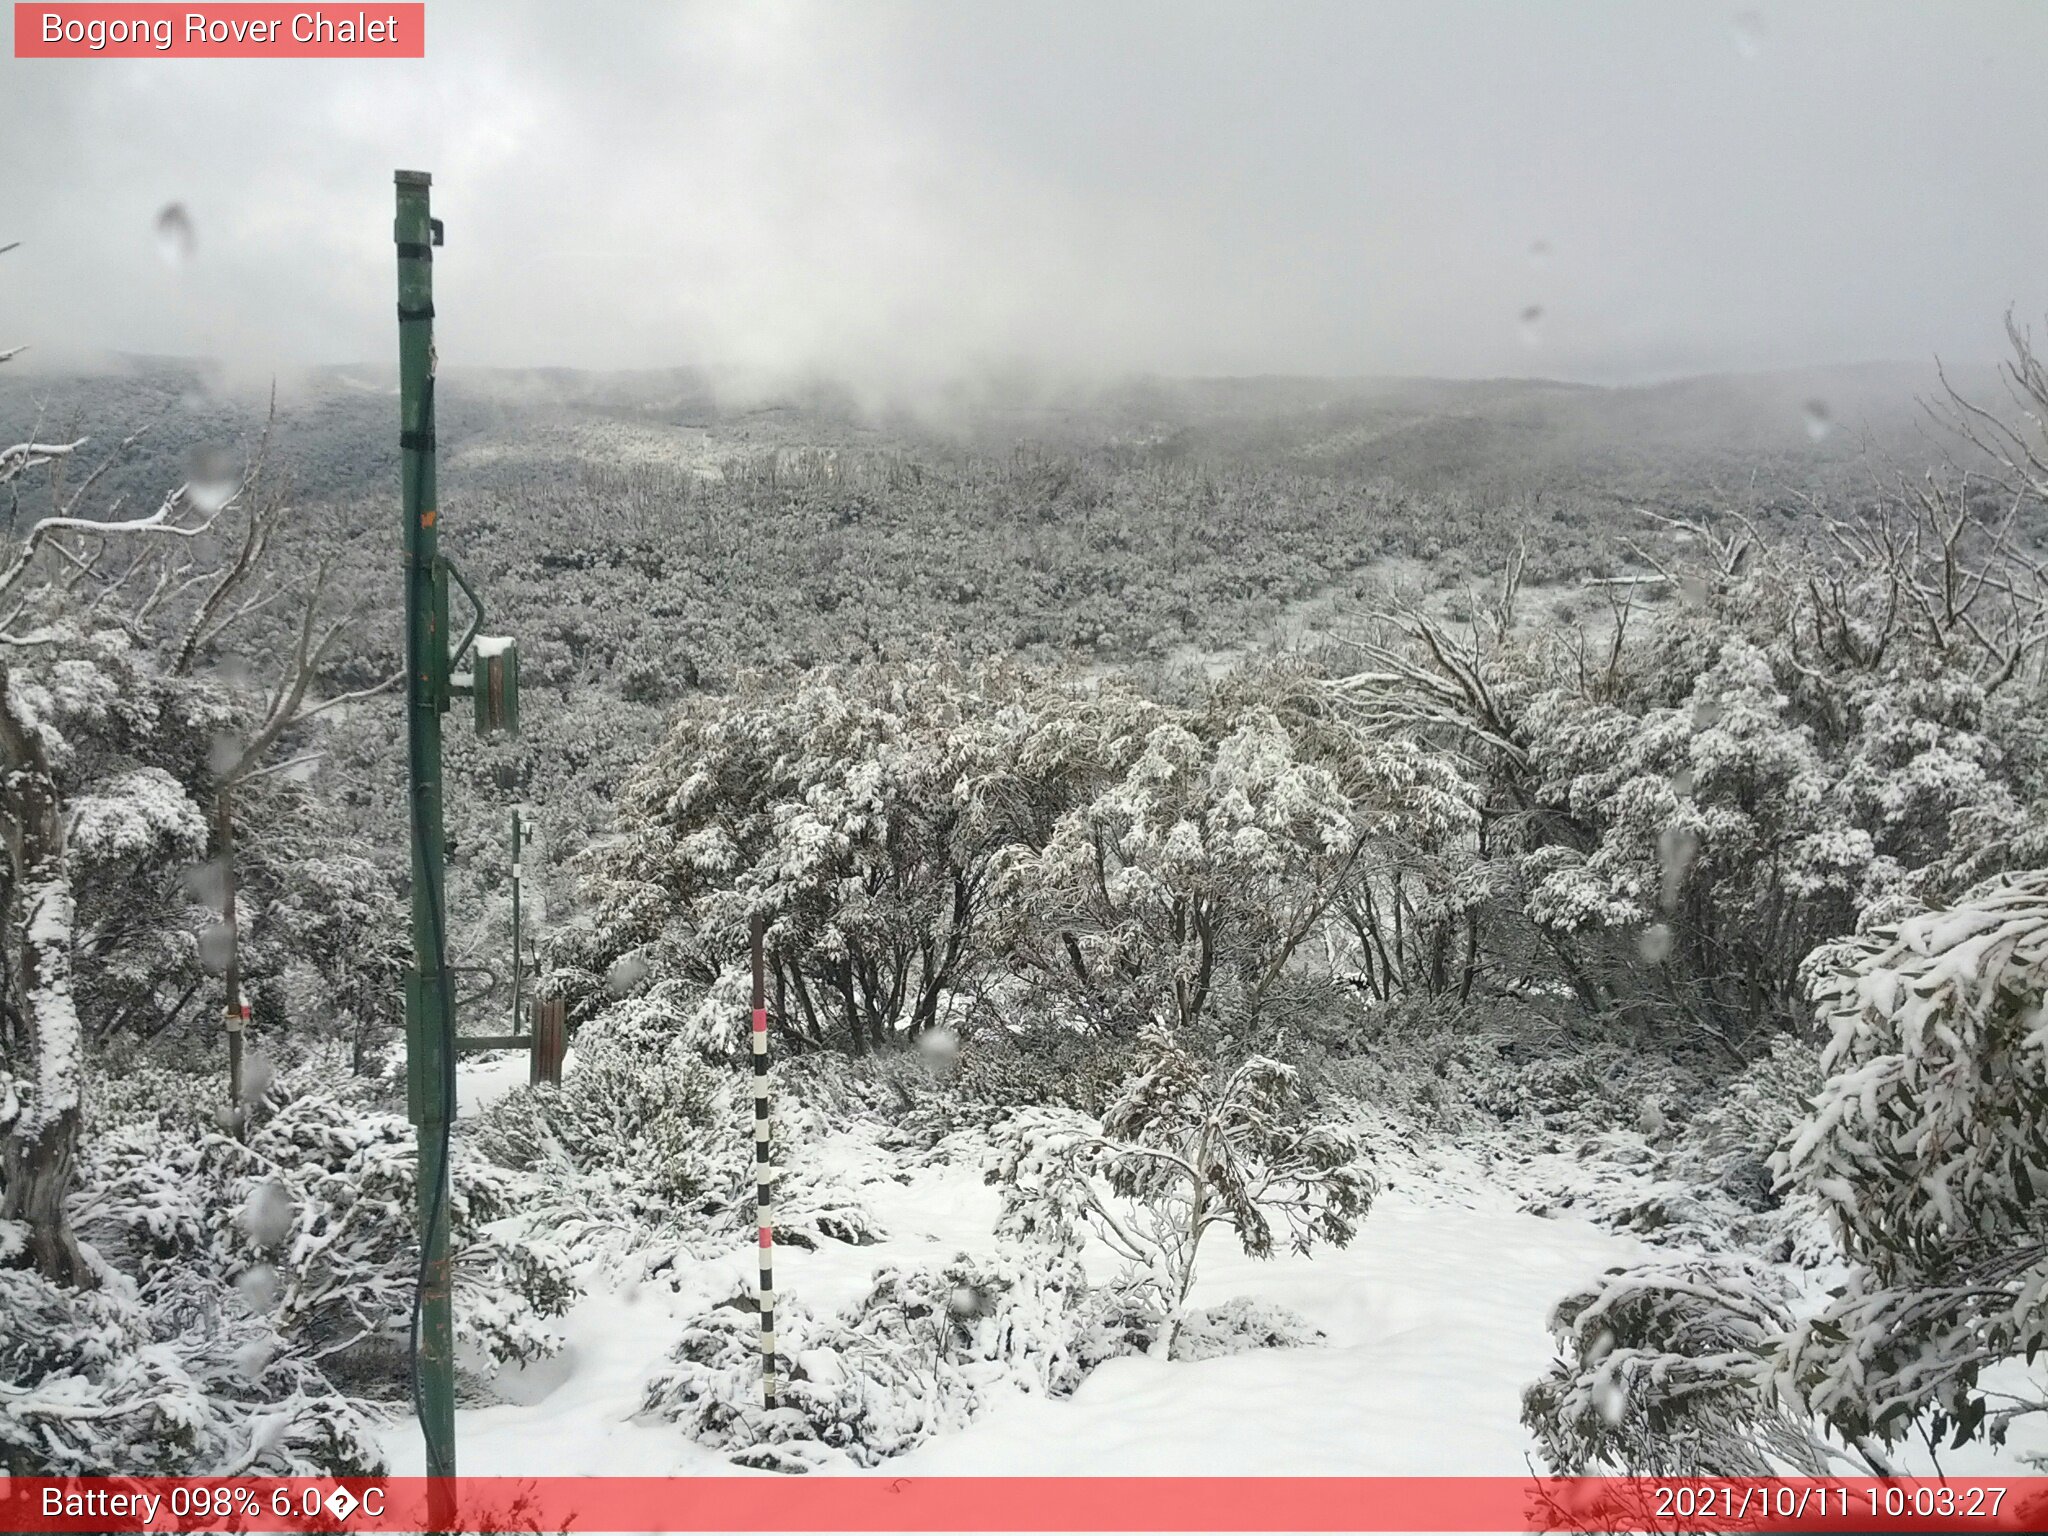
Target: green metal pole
{"points": [[430, 1002]]}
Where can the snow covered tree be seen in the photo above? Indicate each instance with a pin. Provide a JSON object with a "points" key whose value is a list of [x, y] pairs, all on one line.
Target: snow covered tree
{"points": [[80, 702], [1928, 1148], [1779, 745], [1180, 892], [238, 760], [1187, 1148], [110, 745], [866, 813]]}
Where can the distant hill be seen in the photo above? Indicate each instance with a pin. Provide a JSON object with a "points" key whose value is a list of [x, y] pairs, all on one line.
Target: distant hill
{"points": [[1490, 438]]}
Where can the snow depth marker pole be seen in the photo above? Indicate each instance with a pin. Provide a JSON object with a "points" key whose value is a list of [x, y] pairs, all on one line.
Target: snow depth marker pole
{"points": [[764, 1208], [518, 946]]}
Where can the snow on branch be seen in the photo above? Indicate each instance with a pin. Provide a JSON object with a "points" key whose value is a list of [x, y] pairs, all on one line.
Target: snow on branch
{"points": [[161, 521], [25, 456]]}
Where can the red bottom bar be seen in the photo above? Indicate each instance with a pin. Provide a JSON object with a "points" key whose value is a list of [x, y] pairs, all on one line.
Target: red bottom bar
{"points": [[882, 1503]]}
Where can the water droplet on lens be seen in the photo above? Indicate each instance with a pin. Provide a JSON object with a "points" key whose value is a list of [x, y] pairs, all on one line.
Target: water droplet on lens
{"points": [[268, 1214], [1610, 1396], [206, 883], [257, 1286], [211, 478], [1677, 847], [1749, 34], [1681, 783], [222, 753], [174, 234], [1532, 326], [253, 1359], [1539, 252], [1706, 714], [1818, 422], [1654, 943], [216, 943], [626, 973], [258, 1073]]}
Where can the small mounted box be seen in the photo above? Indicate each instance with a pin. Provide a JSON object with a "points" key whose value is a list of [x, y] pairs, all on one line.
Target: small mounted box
{"points": [[494, 685]]}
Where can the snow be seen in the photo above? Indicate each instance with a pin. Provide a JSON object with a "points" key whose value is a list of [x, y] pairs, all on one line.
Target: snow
{"points": [[1435, 1317], [52, 917], [482, 1081]]}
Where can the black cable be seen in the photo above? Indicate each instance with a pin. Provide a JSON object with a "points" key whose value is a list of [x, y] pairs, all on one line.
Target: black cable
{"points": [[437, 1205]]}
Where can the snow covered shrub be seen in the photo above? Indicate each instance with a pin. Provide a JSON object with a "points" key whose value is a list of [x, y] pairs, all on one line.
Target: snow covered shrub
{"points": [[638, 1124], [1928, 1149], [182, 1382], [645, 1135], [1665, 1370], [925, 1351], [1209, 1333], [309, 1217], [1730, 1143], [817, 1185], [1498, 1074], [1043, 1062], [1186, 1148]]}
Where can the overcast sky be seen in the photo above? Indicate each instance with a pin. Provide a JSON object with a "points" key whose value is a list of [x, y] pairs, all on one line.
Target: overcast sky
{"points": [[899, 192]]}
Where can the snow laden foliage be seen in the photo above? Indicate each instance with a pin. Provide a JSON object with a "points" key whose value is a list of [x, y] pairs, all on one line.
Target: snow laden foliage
{"points": [[306, 1218], [925, 1352], [180, 1380], [1665, 1370], [1186, 1149], [1180, 890], [122, 726], [645, 1143], [1925, 1148], [864, 813], [1729, 1145], [635, 1137], [921, 1354], [997, 852], [1928, 1149], [1769, 748]]}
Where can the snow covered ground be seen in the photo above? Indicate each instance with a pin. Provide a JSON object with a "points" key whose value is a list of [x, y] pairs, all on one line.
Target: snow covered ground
{"points": [[1435, 1317]]}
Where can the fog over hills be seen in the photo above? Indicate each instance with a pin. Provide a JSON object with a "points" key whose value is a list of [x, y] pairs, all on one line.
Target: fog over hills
{"points": [[1789, 428]]}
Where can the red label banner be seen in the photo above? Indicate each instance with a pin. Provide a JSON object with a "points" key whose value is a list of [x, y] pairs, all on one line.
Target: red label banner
{"points": [[1152, 1504], [254, 31]]}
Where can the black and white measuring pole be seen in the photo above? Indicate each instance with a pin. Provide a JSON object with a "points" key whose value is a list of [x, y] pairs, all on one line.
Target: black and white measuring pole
{"points": [[764, 1178]]}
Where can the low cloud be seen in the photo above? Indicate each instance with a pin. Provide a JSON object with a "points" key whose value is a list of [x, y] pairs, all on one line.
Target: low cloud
{"points": [[899, 194]]}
